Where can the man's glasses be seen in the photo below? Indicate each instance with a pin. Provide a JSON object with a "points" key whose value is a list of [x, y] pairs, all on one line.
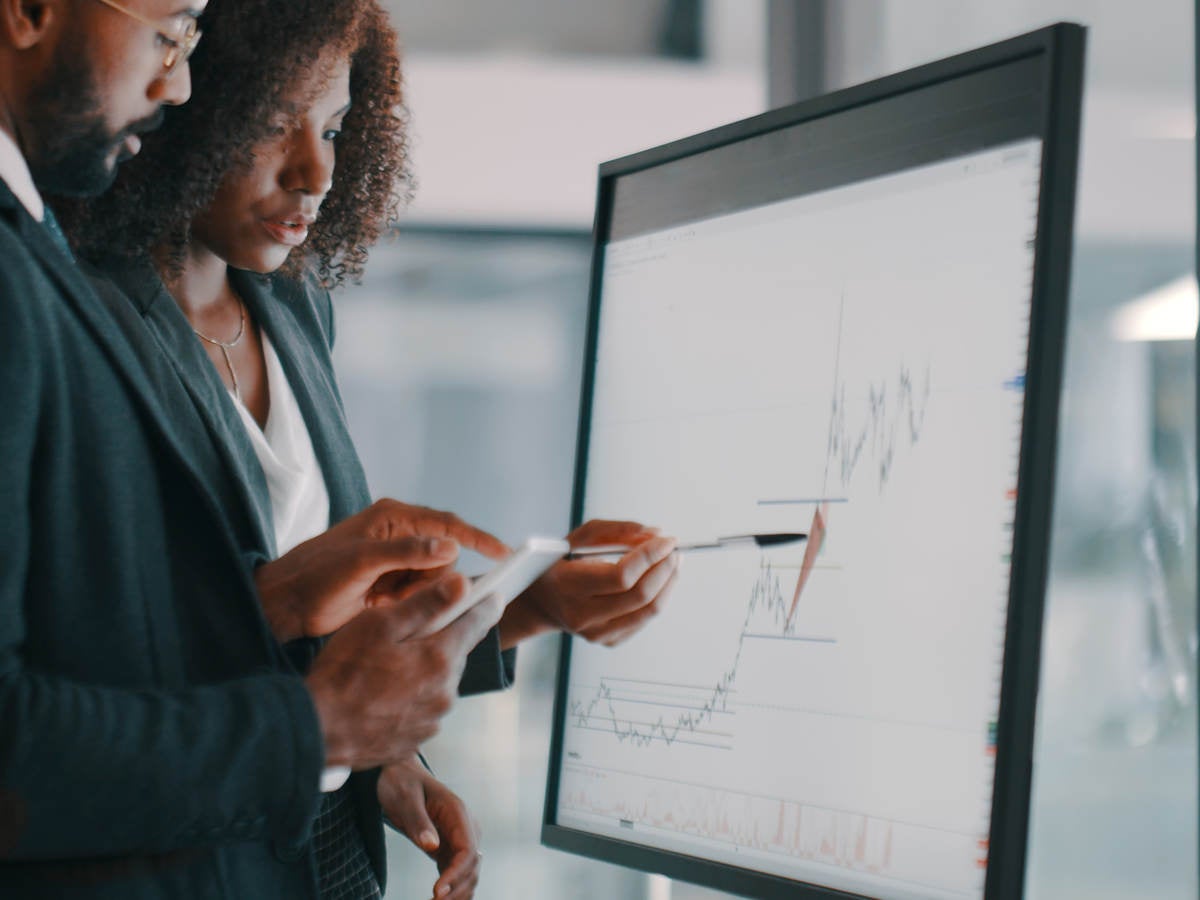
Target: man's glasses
{"points": [[179, 47]]}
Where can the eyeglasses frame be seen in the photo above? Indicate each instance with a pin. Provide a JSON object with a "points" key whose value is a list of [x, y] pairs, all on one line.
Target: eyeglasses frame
{"points": [[179, 49]]}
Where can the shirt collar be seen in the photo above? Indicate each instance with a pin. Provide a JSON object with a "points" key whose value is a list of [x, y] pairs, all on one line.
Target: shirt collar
{"points": [[15, 172]]}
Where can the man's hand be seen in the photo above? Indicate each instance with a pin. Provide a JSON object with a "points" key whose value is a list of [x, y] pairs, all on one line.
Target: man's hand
{"points": [[605, 602], [437, 821], [379, 692], [382, 554]]}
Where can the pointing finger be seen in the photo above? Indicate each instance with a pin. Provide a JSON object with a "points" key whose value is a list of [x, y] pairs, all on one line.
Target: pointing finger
{"points": [[393, 519], [472, 538]]}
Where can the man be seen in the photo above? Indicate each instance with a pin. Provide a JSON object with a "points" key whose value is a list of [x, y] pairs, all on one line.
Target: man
{"points": [[154, 741]]}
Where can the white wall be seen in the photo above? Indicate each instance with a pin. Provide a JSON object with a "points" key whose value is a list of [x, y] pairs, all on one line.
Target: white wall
{"points": [[515, 140], [1137, 168]]}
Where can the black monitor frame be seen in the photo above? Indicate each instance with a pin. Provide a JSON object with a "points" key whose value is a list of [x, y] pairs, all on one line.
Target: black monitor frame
{"points": [[1059, 51], [1196, 340]]}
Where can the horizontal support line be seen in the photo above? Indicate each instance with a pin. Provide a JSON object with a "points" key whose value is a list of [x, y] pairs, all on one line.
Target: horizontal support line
{"points": [[657, 698], [631, 723], [695, 687], [789, 637], [672, 705], [831, 567], [800, 501], [655, 737]]}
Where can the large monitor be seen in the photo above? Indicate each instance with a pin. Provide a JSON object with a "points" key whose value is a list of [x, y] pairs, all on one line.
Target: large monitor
{"points": [[843, 318]]}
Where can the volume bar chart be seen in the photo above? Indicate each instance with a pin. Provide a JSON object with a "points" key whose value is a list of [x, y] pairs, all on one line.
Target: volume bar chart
{"points": [[764, 827]]}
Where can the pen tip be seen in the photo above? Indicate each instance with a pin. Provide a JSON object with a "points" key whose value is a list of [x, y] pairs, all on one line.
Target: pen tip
{"points": [[767, 540]]}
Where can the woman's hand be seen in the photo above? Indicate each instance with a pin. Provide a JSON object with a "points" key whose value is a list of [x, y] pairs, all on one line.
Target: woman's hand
{"points": [[437, 821], [602, 601], [380, 555]]}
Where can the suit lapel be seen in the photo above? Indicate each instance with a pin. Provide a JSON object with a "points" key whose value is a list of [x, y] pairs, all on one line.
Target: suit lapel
{"points": [[77, 293], [310, 376], [111, 328], [199, 405]]}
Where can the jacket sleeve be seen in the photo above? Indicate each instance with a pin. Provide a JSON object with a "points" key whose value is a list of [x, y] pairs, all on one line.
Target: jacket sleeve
{"points": [[93, 771], [89, 770], [488, 667]]}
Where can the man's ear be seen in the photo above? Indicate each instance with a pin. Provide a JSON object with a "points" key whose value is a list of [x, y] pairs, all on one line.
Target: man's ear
{"points": [[25, 23]]}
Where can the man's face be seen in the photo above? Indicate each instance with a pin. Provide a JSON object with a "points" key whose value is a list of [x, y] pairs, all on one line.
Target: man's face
{"points": [[104, 85]]}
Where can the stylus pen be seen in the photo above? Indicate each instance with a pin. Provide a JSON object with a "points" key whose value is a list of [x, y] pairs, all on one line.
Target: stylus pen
{"points": [[733, 540]]}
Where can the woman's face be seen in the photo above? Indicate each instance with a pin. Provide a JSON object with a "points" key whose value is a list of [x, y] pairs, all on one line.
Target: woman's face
{"points": [[263, 210]]}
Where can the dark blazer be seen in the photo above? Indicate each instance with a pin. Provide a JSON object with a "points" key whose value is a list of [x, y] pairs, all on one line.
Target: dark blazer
{"points": [[298, 318], [154, 741]]}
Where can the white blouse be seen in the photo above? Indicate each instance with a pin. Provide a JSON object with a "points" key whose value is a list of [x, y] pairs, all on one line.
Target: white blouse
{"points": [[299, 498]]}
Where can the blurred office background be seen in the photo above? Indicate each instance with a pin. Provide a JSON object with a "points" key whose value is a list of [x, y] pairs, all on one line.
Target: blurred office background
{"points": [[460, 359]]}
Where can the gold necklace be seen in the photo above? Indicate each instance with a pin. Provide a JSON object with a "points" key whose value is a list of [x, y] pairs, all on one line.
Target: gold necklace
{"points": [[226, 346]]}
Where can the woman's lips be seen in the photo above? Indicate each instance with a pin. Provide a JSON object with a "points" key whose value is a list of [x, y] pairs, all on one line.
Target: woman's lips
{"points": [[288, 234]]}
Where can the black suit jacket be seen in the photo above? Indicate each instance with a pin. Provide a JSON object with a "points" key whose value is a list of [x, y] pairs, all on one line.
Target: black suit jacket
{"points": [[154, 741], [298, 318]]}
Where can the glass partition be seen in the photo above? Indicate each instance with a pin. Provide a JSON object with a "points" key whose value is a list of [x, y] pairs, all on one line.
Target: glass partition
{"points": [[1115, 792]]}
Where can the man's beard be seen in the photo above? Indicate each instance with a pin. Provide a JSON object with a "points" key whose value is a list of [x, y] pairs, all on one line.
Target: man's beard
{"points": [[68, 143]]}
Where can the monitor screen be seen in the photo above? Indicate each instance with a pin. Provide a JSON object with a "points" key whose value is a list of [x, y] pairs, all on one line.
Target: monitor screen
{"points": [[842, 324]]}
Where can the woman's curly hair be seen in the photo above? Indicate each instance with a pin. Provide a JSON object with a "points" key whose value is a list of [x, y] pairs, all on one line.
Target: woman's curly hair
{"points": [[242, 72]]}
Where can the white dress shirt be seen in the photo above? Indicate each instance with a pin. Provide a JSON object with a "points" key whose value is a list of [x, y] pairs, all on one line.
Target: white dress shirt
{"points": [[15, 172], [299, 499]]}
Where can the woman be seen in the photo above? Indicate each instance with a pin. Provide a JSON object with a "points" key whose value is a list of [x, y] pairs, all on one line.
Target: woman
{"points": [[223, 237]]}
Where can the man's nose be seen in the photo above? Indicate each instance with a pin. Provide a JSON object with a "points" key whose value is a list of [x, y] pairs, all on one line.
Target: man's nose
{"points": [[173, 89]]}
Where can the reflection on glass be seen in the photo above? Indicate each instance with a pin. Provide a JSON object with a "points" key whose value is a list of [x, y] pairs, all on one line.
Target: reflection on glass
{"points": [[1114, 801]]}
